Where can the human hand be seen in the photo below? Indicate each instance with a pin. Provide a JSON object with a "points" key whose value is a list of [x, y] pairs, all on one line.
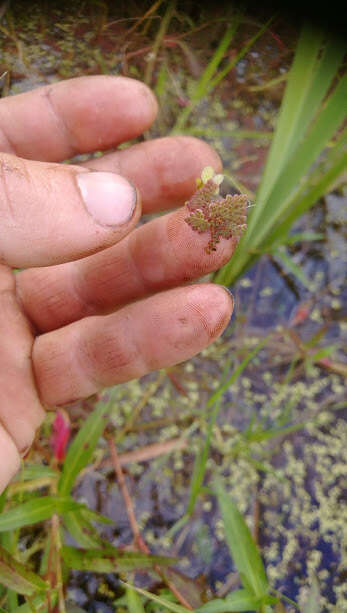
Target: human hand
{"points": [[99, 302]]}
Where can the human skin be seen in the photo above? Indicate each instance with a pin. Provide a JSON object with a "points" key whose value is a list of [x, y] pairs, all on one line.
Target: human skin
{"points": [[99, 301]]}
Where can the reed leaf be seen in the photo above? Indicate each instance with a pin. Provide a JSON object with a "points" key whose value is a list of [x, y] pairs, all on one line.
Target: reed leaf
{"points": [[307, 122]]}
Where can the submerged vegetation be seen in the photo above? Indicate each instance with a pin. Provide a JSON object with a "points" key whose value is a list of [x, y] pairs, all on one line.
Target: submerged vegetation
{"points": [[215, 485]]}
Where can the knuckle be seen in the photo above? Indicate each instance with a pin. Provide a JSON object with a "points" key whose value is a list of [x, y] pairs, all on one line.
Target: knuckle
{"points": [[107, 356]]}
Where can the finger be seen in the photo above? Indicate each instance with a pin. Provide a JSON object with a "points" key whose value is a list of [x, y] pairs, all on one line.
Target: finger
{"points": [[52, 213], [56, 122], [9, 459], [164, 169], [154, 333], [161, 254], [20, 409]]}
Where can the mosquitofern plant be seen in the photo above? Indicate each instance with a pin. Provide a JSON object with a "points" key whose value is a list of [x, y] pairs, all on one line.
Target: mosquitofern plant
{"points": [[208, 211]]}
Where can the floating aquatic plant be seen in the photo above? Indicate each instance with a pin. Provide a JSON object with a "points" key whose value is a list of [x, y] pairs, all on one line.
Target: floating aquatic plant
{"points": [[208, 211]]}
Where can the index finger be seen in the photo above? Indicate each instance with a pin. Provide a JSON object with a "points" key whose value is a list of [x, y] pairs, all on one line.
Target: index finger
{"points": [[56, 122]]}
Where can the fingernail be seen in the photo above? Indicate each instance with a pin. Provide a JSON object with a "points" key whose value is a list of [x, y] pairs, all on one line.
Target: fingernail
{"points": [[109, 198]]}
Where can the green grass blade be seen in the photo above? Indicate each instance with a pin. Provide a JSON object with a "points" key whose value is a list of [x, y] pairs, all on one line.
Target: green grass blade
{"points": [[299, 81], [18, 577], [242, 546], [39, 604], [323, 353], [220, 76], [299, 206], [82, 447], [324, 128], [200, 463], [292, 239], [81, 530], [325, 71], [293, 268], [265, 435], [224, 386], [110, 559], [234, 133], [202, 86], [134, 602], [239, 600], [170, 606], [302, 237], [164, 24], [36, 471], [34, 511], [202, 457], [280, 210], [95, 516]]}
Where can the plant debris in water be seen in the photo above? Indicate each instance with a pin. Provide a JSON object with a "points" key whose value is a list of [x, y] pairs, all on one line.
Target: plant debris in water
{"points": [[223, 217]]}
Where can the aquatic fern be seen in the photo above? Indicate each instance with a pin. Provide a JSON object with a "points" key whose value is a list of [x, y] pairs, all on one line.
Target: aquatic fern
{"points": [[208, 211]]}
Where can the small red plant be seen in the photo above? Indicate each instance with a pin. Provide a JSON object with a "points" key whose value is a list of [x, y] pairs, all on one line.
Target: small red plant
{"points": [[60, 435], [222, 217]]}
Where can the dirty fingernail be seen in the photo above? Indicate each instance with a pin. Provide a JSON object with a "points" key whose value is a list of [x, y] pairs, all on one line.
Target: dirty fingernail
{"points": [[109, 198]]}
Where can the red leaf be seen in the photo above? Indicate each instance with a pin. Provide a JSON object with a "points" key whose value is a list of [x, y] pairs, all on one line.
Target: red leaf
{"points": [[60, 435]]}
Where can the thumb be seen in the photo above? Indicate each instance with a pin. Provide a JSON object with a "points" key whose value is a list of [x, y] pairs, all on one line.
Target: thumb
{"points": [[54, 213]]}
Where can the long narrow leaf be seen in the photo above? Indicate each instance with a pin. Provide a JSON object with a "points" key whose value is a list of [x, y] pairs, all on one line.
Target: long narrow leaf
{"points": [[325, 71], [290, 265], [281, 210], [36, 471], [202, 86], [336, 161], [36, 510], [242, 547], [299, 81], [324, 128], [39, 604], [81, 530], [222, 74], [134, 601], [239, 600], [110, 559], [171, 606], [223, 388], [82, 447], [286, 191], [202, 457], [95, 516], [17, 577]]}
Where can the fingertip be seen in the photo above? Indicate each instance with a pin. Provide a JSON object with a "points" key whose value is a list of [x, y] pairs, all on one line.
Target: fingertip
{"points": [[230, 297], [213, 305], [151, 99], [139, 98], [223, 301]]}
